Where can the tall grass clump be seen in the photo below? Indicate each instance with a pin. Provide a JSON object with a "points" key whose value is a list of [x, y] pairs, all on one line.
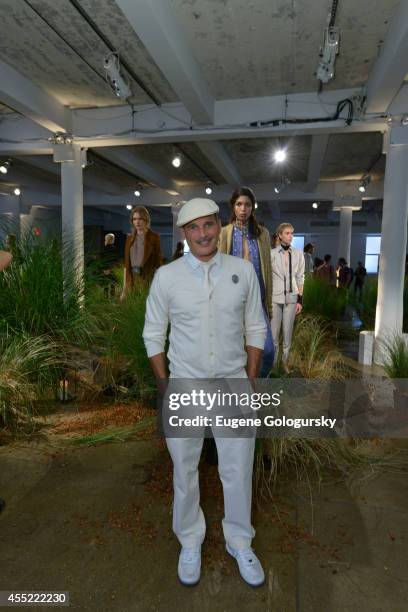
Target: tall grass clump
{"points": [[309, 461], [29, 368], [395, 350], [37, 299], [120, 329], [313, 351]]}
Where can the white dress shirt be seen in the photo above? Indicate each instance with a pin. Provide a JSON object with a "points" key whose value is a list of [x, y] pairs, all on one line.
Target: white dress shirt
{"points": [[208, 329]]}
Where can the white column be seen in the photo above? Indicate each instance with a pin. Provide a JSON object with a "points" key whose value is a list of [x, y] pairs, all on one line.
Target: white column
{"points": [[177, 235], [389, 312], [72, 214], [344, 245]]}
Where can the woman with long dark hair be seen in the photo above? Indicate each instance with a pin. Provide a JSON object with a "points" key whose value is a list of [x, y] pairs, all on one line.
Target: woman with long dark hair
{"points": [[244, 237]]}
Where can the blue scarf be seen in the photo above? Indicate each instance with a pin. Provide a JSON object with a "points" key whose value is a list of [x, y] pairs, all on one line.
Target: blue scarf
{"points": [[237, 249]]}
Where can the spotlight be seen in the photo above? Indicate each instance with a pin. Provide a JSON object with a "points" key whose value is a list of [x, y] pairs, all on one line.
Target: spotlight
{"points": [[208, 190], [279, 156], [365, 181], [114, 77], [176, 161], [315, 205], [129, 206], [4, 168], [137, 193], [325, 69], [285, 181], [17, 191]]}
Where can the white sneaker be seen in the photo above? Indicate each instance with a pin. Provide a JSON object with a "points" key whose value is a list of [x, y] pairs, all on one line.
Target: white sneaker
{"points": [[249, 565], [189, 566]]}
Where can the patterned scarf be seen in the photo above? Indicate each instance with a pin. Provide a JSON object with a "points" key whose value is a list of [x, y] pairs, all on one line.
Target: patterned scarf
{"points": [[239, 234]]}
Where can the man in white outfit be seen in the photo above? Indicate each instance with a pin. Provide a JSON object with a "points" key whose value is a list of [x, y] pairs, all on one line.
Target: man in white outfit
{"points": [[217, 330], [288, 275]]}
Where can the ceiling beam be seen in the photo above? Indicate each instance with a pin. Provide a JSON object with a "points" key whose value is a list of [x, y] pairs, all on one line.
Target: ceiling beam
{"points": [[133, 164], [316, 158], [216, 153], [97, 183], [161, 34], [388, 72], [325, 191], [21, 94]]}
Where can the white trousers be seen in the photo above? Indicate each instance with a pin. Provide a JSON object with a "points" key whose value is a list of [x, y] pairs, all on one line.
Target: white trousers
{"points": [[235, 464], [283, 317]]}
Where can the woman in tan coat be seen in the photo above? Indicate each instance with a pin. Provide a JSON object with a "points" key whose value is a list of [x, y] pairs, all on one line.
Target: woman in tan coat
{"points": [[142, 251], [243, 237]]}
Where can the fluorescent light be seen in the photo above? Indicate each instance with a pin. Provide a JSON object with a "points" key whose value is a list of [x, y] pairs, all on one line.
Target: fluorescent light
{"points": [[129, 206], [279, 155], [176, 161], [137, 193], [17, 191]]}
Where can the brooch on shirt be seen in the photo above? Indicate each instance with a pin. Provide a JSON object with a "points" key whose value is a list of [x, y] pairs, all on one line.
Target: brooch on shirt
{"points": [[235, 278]]}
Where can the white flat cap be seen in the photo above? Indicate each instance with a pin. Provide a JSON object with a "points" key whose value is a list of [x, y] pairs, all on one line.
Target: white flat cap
{"points": [[195, 208]]}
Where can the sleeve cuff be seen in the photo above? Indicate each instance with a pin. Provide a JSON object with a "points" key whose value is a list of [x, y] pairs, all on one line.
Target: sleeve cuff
{"points": [[256, 340], [154, 348]]}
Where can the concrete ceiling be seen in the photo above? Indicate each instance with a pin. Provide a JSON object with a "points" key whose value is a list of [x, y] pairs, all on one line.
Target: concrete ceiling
{"points": [[254, 158], [350, 156], [243, 48], [28, 41], [268, 47]]}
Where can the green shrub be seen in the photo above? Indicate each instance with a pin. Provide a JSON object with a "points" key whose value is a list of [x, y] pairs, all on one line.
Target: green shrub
{"points": [[322, 299], [35, 299]]}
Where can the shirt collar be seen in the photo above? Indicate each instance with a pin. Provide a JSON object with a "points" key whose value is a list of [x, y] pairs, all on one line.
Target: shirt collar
{"points": [[282, 250], [196, 263]]}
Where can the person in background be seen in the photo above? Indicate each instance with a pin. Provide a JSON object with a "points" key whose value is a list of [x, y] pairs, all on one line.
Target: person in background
{"points": [[179, 252], [288, 275], [326, 271], [5, 260], [359, 277], [308, 255], [244, 237], [109, 260], [344, 274], [142, 251], [317, 263]]}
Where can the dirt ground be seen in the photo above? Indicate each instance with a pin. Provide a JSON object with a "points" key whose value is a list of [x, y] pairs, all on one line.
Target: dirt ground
{"points": [[95, 520]]}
